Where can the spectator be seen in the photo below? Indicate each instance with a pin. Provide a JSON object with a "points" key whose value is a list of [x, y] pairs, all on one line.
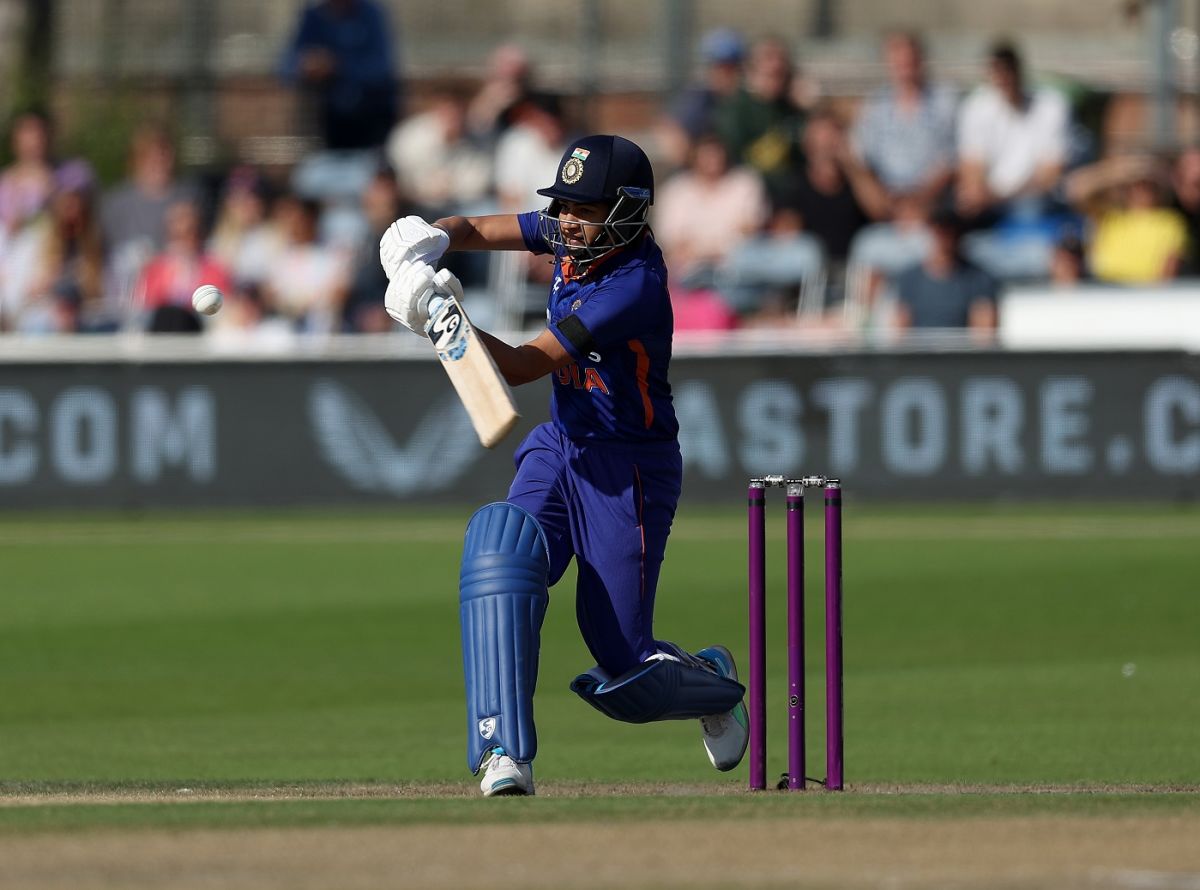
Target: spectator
{"points": [[905, 132], [52, 279], [1185, 182], [438, 166], [170, 278], [832, 192], [133, 214], [692, 114], [761, 124], [309, 282], [945, 291], [703, 212], [74, 255], [382, 203], [243, 240], [27, 183], [507, 84], [1012, 141], [1136, 239], [879, 253], [528, 154], [1067, 266], [342, 54]]}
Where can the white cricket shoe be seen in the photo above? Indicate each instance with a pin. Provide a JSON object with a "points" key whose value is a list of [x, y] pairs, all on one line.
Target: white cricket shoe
{"points": [[505, 776], [725, 735]]}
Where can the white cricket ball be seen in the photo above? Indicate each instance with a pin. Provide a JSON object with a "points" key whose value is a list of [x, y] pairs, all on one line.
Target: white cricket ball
{"points": [[207, 299]]}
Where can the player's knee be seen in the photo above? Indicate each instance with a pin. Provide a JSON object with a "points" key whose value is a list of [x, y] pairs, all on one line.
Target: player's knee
{"points": [[504, 552]]}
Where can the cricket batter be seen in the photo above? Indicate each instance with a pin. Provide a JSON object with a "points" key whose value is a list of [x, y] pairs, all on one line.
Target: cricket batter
{"points": [[599, 483]]}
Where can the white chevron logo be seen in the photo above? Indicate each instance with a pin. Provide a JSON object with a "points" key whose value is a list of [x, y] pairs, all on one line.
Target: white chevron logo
{"points": [[355, 443]]}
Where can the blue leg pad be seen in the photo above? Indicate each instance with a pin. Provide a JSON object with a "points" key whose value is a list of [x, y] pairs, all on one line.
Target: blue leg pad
{"points": [[661, 689], [502, 600]]}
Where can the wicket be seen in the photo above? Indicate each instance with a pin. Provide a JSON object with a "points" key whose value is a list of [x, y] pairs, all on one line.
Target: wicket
{"points": [[795, 778]]}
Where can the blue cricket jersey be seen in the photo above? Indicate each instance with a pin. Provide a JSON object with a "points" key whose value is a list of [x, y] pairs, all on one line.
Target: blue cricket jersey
{"points": [[616, 322]]}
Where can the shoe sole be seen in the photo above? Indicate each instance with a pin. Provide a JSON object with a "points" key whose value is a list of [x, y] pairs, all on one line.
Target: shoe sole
{"points": [[733, 675], [508, 788]]}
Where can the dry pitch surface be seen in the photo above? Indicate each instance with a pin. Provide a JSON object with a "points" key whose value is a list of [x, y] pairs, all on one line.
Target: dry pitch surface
{"points": [[1124, 852]]}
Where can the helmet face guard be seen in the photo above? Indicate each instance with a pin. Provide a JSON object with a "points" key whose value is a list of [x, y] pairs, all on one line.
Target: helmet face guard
{"points": [[626, 220]]}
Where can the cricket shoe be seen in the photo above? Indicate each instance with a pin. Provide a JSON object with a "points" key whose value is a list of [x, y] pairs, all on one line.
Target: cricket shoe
{"points": [[504, 776], [725, 735]]}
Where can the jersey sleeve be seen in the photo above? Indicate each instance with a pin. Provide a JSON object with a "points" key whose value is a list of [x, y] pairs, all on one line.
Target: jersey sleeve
{"points": [[534, 242], [616, 312]]}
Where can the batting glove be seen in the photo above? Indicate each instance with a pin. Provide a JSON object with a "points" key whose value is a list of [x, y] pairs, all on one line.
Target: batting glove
{"points": [[416, 291], [411, 239]]}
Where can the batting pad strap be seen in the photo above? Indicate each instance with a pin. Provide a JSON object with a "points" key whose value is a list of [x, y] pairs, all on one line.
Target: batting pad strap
{"points": [[662, 689], [502, 601]]}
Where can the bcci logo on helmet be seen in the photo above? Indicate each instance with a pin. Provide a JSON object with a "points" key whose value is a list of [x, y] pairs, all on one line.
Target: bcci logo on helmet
{"points": [[572, 171]]}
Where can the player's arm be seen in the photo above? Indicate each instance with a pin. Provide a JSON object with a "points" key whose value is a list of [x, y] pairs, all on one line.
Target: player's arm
{"points": [[529, 361], [411, 239], [499, 232]]}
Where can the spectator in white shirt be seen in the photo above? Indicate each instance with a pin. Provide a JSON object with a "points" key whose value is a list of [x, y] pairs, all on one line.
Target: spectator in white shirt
{"points": [[309, 280], [1012, 140], [436, 164]]}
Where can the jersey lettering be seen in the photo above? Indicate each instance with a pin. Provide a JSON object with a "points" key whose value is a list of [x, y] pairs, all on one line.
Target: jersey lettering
{"points": [[587, 380]]}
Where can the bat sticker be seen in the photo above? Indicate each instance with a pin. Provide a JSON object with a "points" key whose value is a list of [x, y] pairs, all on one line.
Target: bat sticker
{"points": [[448, 332]]}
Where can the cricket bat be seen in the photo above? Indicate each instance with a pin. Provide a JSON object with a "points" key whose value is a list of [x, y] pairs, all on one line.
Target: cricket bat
{"points": [[481, 388]]}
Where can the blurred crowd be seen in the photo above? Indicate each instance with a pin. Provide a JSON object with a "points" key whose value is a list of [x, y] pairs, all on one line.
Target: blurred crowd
{"points": [[913, 207]]}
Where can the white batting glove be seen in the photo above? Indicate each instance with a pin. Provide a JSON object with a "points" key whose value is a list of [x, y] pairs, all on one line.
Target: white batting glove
{"points": [[415, 291], [411, 239]]}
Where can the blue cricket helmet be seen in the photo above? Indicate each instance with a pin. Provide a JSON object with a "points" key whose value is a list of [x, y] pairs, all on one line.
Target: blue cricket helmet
{"points": [[601, 169]]}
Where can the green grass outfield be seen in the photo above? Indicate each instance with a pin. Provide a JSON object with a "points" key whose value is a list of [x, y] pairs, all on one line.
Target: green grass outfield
{"points": [[1037, 648]]}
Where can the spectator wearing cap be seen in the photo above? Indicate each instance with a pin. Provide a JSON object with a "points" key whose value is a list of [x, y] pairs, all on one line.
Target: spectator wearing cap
{"points": [[905, 132], [944, 290], [1012, 141], [723, 52], [691, 115], [761, 123], [1136, 238]]}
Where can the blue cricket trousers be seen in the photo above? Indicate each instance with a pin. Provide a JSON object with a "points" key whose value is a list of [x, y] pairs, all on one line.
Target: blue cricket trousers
{"points": [[609, 505]]}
